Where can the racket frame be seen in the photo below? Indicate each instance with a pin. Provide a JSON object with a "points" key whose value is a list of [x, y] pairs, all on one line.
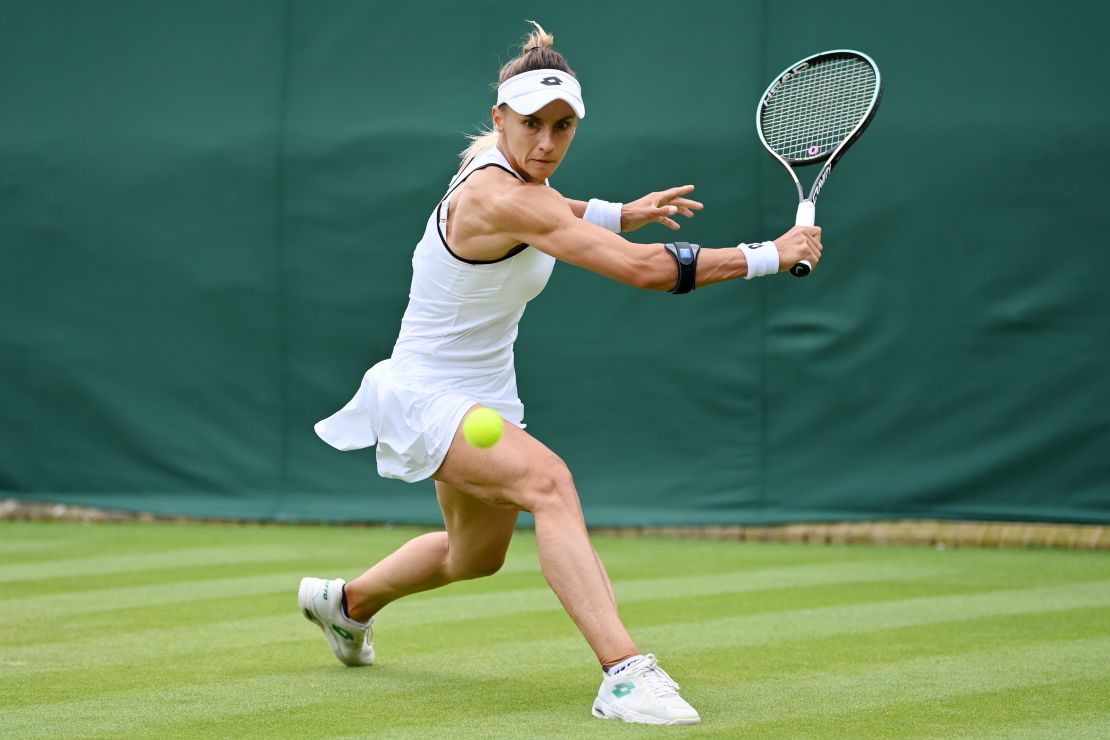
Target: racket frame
{"points": [[806, 214]]}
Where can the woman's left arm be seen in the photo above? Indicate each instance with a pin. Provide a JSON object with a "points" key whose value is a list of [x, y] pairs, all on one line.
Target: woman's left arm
{"points": [[652, 208]]}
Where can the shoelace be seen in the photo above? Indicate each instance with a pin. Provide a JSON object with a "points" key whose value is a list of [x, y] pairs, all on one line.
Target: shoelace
{"points": [[661, 684]]}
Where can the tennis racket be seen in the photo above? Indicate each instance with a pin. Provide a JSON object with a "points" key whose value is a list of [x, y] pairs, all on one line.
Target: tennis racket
{"points": [[812, 113]]}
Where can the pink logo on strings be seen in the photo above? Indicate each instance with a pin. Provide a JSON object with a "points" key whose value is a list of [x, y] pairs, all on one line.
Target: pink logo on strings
{"points": [[813, 150]]}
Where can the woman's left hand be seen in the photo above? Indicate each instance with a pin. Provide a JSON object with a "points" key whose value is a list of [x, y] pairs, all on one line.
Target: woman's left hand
{"points": [[658, 208]]}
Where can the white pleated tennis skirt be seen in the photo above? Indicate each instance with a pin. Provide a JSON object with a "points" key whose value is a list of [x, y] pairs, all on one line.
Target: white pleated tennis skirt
{"points": [[412, 418]]}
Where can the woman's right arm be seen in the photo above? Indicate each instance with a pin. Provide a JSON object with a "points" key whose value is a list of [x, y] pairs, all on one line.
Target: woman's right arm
{"points": [[538, 215]]}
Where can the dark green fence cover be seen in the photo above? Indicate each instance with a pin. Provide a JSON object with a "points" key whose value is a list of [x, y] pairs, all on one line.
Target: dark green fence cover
{"points": [[208, 209]]}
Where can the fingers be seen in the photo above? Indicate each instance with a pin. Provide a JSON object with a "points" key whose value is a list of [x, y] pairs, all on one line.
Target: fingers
{"points": [[670, 210], [687, 207], [803, 232], [662, 215], [800, 243], [687, 203], [661, 206], [672, 193], [815, 248], [673, 196]]}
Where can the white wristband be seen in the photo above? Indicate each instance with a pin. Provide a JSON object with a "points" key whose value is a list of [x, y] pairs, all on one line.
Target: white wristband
{"points": [[605, 214], [763, 259]]}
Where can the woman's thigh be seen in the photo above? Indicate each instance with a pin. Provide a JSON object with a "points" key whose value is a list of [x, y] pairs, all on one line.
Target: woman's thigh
{"points": [[478, 534], [508, 474]]}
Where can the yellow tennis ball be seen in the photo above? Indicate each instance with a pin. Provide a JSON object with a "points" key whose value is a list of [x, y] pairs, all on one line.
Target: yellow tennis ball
{"points": [[483, 427]]}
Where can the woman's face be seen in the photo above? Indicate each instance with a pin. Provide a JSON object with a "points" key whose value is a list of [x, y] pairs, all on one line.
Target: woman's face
{"points": [[536, 144]]}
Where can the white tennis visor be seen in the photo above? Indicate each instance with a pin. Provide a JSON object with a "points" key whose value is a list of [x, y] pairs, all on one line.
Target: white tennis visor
{"points": [[526, 93]]}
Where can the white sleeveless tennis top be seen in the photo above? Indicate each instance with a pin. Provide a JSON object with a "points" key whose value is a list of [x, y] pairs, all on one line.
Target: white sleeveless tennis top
{"points": [[454, 350], [462, 316]]}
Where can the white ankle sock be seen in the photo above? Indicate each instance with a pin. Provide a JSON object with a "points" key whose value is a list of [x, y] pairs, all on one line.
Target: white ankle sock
{"points": [[622, 665]]}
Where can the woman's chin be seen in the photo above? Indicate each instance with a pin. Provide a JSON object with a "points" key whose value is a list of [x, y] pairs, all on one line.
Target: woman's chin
{"points": [[542, 170]]}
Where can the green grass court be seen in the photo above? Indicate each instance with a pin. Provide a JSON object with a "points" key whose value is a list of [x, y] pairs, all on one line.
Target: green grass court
{"points": [[162, 630]]}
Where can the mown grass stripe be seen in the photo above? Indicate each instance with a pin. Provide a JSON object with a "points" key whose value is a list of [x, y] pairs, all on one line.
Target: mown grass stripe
{"points": [[983, 713], [15, 578], [132, 711], [871, 616], [426, 608], [98, 565], [68, 606], [1096, 727], [17, 547]]}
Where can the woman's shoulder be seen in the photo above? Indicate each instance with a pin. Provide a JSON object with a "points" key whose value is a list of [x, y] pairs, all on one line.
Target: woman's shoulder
{"points": [[494, 176]]}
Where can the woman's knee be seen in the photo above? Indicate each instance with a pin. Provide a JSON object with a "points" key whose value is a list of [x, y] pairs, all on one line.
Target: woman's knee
{"points": [[474, 567], [549, 484]]}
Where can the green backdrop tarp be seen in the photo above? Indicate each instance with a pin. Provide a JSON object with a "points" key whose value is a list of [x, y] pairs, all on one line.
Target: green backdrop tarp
{"points": [[207, 214]]}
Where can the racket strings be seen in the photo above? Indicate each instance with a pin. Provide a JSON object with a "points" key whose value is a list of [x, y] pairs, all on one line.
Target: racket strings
{"points": [[818, 108]]}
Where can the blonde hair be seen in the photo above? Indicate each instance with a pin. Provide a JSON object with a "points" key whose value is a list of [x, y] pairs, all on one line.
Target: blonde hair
{"points": [[537, 52]]}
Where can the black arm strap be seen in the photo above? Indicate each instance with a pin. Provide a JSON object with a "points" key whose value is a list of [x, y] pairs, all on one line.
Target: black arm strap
{"points": [[686, 257]]}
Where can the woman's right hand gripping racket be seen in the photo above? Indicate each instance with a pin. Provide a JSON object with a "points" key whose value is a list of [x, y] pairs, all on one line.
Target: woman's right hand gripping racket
{"points": [[812, 113]]}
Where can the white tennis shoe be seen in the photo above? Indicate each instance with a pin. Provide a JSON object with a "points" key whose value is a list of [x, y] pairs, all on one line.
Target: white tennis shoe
{"points": [[643, 693], [321, 601]]}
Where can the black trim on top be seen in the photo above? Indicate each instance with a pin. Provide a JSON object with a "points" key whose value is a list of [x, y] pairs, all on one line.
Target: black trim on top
{"points": [[443, 237]]}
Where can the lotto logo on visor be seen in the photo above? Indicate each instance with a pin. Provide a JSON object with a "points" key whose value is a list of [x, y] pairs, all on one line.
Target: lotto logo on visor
{"points": [[526, 93]]}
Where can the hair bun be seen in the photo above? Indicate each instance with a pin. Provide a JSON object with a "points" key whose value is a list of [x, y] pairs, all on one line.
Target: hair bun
{"points": [[537, 39]]}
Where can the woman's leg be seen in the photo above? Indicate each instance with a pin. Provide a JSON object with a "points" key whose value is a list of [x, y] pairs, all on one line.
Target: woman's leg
{"points": [[521, 472], [608, 583], [474, 545]]}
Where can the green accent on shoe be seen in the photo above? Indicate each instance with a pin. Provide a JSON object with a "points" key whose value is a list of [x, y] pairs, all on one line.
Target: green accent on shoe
{"points": [[623, 689], [342, 632]]}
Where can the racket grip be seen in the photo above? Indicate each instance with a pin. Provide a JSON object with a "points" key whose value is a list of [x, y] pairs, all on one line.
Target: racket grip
{"points": [[806, 216]]}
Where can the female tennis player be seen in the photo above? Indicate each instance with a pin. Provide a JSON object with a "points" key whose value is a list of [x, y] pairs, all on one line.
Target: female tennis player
{"points": [[488, 248]]}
